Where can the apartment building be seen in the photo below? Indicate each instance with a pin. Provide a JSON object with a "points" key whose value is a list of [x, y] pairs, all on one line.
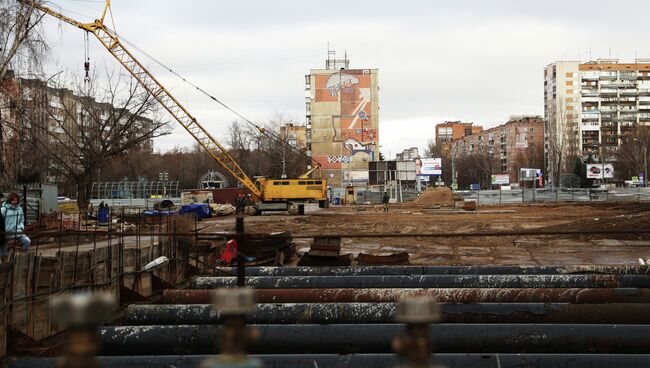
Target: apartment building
{"points": [[451, 130], [515, 144], [589, 108], [408, 154], [295, 135], [342, 121], [35, 113]]}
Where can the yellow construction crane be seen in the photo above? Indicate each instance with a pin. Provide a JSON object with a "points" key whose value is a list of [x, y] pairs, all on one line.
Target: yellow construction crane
{"points": [[272, 194]]}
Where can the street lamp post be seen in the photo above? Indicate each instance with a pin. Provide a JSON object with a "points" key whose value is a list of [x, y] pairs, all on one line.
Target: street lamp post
{"points": [[453, 168]]}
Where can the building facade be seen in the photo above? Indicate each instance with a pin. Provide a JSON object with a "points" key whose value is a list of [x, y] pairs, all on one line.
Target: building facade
{"points": [[590, 107], [451, 130], [36, 114], [294, 135], [342, 121], [515, 144], [408, 154]]}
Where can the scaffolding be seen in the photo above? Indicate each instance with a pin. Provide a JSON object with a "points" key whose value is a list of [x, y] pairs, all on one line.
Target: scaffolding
{"points": [[134, 189]]}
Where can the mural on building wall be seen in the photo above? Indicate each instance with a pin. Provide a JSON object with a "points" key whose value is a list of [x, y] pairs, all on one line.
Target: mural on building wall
{"points": [[353, 127]]}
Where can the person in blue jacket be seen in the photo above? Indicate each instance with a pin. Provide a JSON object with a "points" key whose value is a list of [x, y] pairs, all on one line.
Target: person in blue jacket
{"points": [[14, 223]]}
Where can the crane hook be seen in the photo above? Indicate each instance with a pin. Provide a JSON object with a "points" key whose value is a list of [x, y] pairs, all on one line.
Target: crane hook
{"points": [[87, 59]]}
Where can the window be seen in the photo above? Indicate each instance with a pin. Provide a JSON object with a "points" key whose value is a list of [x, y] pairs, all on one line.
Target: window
{"points": [[318, 182], [285, 183], [310, 182], [302, 182]]}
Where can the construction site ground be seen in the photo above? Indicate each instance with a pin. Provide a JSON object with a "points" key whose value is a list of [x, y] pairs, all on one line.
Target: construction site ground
{"points": [[586, 248]]}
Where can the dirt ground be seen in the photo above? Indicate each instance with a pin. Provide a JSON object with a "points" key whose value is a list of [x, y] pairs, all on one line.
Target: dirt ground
{"points": [[586, 248]]}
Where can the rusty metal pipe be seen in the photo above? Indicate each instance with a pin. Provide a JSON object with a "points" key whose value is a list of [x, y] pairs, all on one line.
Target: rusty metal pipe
{"points": [[429, 281], [351, 313], [439, 270], [372, 361], [375, 338], [449, 295]]}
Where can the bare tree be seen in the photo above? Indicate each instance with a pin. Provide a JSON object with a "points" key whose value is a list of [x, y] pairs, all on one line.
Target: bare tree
{"points": [[21, 37], [559, 140], [80, 134], [632, 156]]}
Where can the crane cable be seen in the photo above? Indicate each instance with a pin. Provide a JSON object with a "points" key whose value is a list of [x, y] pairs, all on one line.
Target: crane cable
{"points": [[262, 130], [86, 58]]}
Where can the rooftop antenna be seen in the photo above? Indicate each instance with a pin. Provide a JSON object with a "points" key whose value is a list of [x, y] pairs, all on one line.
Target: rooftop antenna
{"points": [[331, 57]]}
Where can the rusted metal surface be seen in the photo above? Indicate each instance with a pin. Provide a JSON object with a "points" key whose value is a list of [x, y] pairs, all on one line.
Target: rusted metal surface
{"points": [[341, 260], [375, 361], [375, 338], [390, 259], [441, 270], [450, 295], [429, 281], [344, 313]]}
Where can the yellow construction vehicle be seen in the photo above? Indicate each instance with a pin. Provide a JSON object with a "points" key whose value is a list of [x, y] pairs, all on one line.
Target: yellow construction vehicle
{"points": [[271, 194]]}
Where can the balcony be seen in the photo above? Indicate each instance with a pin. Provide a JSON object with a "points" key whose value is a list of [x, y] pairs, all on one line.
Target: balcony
{"points": [[590, 99], [629, 92], [608, 92], [589, 93], [607, 77], [629, 76], [608, 126], [644, 91]]}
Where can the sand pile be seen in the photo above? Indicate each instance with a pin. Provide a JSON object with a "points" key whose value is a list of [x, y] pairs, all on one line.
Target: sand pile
{"points": [[440, 196]]}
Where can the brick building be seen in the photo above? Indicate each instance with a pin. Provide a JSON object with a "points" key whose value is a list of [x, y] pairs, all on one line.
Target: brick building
{"points": [[517, 143], [452, 130]]}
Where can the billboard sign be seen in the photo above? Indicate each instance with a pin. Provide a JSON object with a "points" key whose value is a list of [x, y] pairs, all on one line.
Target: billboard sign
{"points": [[500, 179], [527, 174], [428, 166], [596, 171]]}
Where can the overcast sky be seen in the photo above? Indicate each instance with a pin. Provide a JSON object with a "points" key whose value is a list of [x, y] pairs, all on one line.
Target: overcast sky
{"points": [[478, 61]]}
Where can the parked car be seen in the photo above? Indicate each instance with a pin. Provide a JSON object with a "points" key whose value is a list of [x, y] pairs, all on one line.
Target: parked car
{"points": [[62, 199]]}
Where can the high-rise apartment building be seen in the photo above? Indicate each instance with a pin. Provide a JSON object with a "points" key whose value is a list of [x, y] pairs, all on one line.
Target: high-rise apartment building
{"points": [[450, 130], [342, 121], [590, 107]]}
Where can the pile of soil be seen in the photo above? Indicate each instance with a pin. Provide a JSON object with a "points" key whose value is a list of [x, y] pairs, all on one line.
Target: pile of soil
{"points": [[440, 196]]}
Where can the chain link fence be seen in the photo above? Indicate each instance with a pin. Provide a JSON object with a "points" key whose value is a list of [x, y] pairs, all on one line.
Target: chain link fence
{"points": [[530, 195]]}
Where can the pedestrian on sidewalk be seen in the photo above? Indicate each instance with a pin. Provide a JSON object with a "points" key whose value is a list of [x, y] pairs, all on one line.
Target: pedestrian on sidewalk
{"points": [[14, 223], [385, 200]]}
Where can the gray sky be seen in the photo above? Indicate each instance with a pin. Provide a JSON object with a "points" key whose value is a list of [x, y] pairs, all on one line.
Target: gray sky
{"points": [[478, 61]]}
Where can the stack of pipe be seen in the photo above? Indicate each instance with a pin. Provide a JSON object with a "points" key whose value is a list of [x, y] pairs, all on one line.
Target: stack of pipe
{"points": [[493, 316]]}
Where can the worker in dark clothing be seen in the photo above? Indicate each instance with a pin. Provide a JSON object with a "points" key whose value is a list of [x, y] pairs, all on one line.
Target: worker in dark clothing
{"points": [[385, 200], [239, 204]]}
